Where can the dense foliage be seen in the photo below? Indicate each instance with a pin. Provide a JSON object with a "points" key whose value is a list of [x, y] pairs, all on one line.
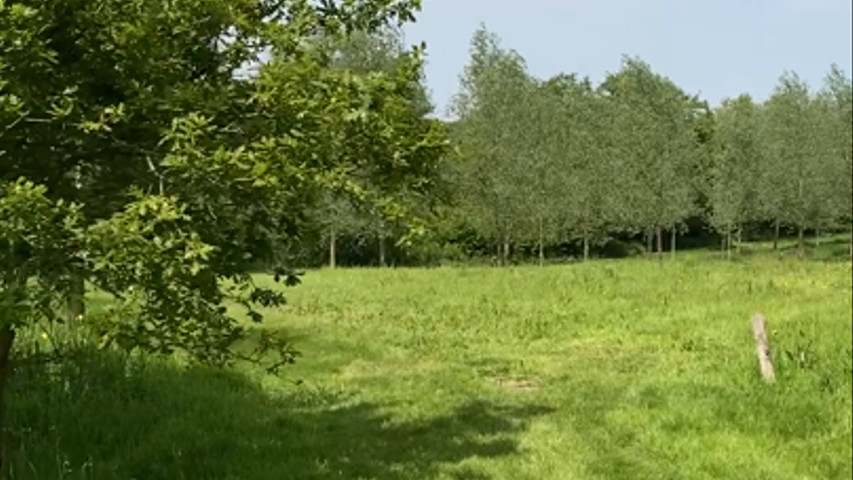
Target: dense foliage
{"points": [[561, 160], [561, 167], [161, 155], [183, 173]]}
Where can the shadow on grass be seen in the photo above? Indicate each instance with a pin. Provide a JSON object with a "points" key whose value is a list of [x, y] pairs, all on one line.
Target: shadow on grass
{"points": [[103, 417]]}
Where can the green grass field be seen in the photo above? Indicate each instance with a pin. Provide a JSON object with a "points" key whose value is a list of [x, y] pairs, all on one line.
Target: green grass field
{"points": [[613, 369]]}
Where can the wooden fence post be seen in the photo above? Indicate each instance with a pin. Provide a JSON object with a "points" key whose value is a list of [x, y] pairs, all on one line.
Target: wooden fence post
{"points": [[762, 347]]}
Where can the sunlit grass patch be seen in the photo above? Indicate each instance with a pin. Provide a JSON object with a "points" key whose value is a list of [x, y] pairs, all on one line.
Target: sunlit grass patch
{"points": [[628, 369]]}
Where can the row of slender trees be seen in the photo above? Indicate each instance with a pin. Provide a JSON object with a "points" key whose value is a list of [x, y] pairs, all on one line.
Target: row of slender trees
{"points": [[540, 163], [556, 160]]}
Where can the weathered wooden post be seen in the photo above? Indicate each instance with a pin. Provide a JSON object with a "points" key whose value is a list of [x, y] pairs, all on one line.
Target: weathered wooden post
{"points": [[762, 347]]}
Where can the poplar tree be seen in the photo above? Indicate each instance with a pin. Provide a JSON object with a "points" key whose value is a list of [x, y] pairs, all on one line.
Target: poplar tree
{"points": [[797, 167], [495, 86], [734, 170], [655, 137]]}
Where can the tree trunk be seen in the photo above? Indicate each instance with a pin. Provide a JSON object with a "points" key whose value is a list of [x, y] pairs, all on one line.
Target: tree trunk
{"points": [[585, 248], [332, 253], [739, 239], [75, 303], [503, 250], [801, 245], [541, 243], [649, 237], [672, 241], [381, 251], [7, 337], [817, 237], [659, 234], [728, 244], [776, 235], [506, 252]]}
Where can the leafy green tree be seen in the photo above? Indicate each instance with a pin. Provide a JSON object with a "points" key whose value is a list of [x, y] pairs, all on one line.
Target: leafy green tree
{"points": [[532, 166], [586, 183], [734, 172], [380, 51], [35, 268], [336, 214], [654, 135], [156, 99], [797, 176], [495, 86], [176, 174], [837, 97], [366, 53]]}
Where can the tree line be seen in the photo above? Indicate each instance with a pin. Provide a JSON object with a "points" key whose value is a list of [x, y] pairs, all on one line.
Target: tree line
{"points": [[562, 159], [543, 163]]}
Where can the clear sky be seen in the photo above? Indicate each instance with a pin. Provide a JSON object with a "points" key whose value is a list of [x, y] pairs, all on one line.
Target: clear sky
{"points": [[714, 48]]}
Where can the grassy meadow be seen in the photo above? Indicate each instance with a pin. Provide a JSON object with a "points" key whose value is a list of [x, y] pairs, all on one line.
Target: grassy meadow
{"points": [[611, 369]]}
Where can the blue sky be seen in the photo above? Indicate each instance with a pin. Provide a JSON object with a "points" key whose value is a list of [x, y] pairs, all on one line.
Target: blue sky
{"points": [[714, 48]]}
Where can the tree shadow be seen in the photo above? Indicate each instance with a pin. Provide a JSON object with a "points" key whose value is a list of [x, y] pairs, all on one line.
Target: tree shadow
{"points": [[103, 417]]}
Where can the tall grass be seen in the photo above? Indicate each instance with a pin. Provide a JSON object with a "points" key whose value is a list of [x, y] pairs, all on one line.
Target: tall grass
{"points": [[610, 369]]}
